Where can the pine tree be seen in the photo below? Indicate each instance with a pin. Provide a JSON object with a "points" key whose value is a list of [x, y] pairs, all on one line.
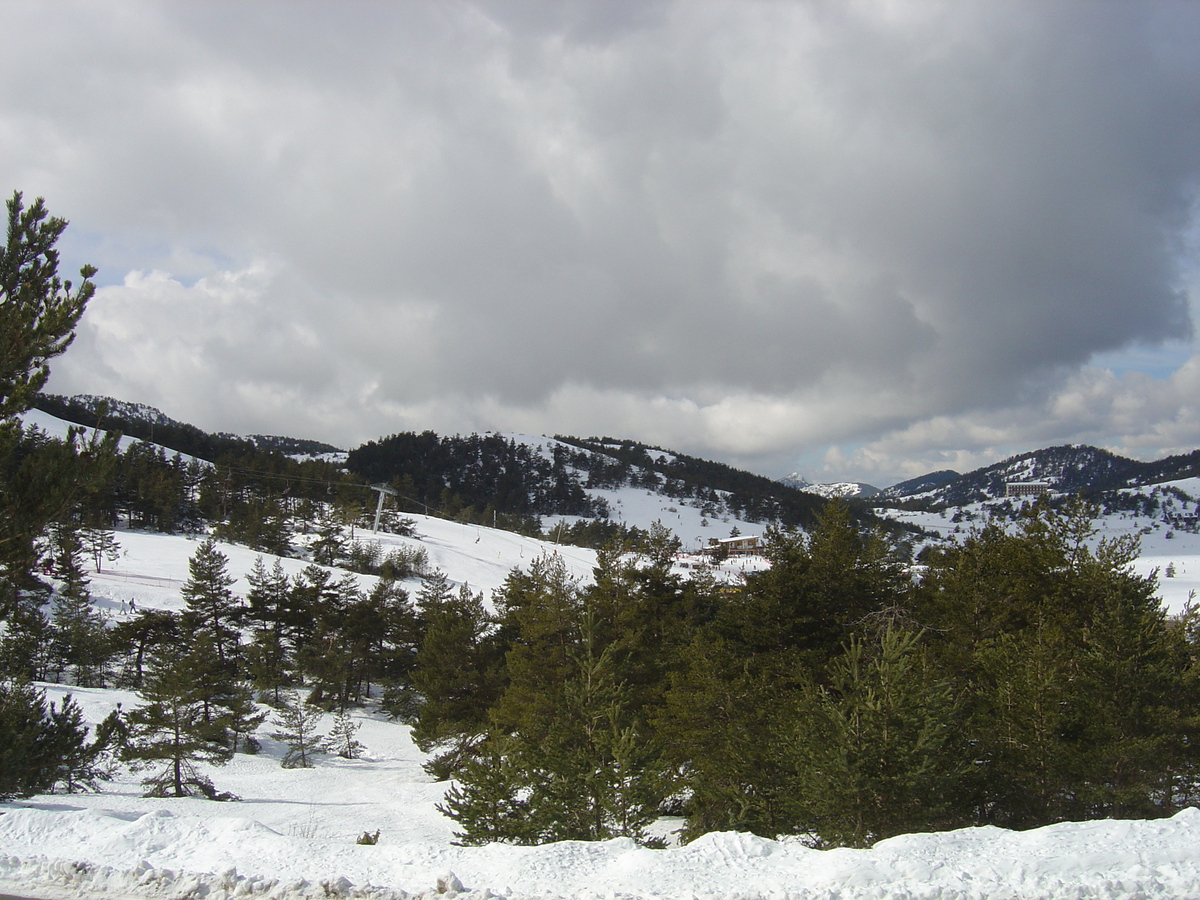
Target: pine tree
{"points": [[819, 589], [313, 598], [540, 613], [330, 543], [211, 605], [267, 665], [1021, 711], [82, 766], [42, 746], [393, 651], [882, 730], [40, 478], [268, 660], [101, 544], [458, 674], [342, 739], [489, 798], [172, 730], [598, 777], [1079, 696], [267, 596], [297, 724], [723, 728], [587, 773], [139, 638], [435, 592], [332, 658], [26, 641], [1134, 701], [80, 635], [242, 717], [40, 311]]}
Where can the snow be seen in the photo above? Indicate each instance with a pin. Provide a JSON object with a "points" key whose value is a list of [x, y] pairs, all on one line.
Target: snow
{"points": [[153, 567], [293, 833], [641, 507]]}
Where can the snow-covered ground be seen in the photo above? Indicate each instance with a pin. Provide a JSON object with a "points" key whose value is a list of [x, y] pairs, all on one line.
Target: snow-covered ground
{"points": [[293, 833], [153, 567]]}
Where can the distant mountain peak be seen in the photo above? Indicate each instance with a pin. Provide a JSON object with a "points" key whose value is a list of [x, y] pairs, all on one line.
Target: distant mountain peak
{"points": [[796, 480], [831, 490]]}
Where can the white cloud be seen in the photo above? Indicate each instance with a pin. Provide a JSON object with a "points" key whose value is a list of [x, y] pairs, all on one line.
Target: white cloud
{"points": [[749, 230]]}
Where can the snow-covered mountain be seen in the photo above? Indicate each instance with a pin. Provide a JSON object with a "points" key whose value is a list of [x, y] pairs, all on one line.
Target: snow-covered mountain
{"points": [[1067, 469], [555, 479], [839, 490], [137, 420]]}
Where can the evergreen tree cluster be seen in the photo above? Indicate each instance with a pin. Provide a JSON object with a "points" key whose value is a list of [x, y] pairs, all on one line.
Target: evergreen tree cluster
{"points": [[260, 498], [474, 476], [1025, 677]]}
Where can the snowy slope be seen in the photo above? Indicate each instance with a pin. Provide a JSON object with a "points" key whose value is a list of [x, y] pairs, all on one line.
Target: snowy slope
{"points": [[640, 507], [152, 567], [55, 427]]}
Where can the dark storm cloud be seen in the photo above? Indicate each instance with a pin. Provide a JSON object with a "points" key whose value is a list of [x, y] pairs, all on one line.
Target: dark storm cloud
{"points": [[737, 228]]}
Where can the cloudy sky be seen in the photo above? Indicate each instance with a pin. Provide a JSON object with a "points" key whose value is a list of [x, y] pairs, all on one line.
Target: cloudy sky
{"points": [[858, 239]]}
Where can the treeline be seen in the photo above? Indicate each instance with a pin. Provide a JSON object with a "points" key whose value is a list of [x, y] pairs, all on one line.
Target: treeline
{"points": [[182, 438], [1022, 679], [263, 499], [250, 489]]}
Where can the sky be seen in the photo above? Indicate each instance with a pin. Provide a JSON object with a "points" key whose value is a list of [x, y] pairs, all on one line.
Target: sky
{"points": [[857, 240]]}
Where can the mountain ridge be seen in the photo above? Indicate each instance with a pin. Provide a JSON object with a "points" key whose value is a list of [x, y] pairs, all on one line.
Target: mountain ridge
{"points": [[1065, 468]]}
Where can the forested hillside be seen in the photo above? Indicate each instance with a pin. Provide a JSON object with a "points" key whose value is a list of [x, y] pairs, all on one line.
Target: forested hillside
{"points": [[150, 425], [256, 490], [478, 474], [611, 462], [1070, 469]]}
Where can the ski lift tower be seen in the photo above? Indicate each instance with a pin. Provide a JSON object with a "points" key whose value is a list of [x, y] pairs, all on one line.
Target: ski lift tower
{"points": [[382, 489]]}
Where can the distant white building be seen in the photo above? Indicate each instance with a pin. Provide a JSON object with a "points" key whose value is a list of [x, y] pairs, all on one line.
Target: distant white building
{"points": [[1026, 488], [742, 545]]}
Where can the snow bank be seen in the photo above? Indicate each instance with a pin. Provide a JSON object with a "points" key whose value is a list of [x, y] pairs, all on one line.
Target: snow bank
{"points": [[161, 854]]}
